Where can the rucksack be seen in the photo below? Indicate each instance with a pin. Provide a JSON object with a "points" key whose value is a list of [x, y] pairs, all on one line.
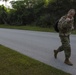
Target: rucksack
{"points": [[56, 26]]}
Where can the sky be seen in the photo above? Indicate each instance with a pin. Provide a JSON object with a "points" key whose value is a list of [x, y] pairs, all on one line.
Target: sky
{"points": [[8, 3]]}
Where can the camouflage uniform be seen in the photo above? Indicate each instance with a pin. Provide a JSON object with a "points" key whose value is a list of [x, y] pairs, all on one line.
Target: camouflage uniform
{"points": [[65, 29]]}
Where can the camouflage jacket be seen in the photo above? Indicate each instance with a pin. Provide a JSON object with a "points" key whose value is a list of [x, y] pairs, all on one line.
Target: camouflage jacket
{"points": [[65, 27]]}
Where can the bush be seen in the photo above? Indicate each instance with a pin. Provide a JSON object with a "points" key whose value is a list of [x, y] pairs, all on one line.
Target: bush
{"points": [[44, 21]]}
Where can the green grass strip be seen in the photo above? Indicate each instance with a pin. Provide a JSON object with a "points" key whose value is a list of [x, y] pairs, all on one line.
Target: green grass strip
{"points": [[28, 27], [32, 28], [14, 63]]}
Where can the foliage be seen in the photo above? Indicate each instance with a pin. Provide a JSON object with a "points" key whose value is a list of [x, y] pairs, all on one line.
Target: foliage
{"points": [[44, 21], [43, 13], [3, 15]]}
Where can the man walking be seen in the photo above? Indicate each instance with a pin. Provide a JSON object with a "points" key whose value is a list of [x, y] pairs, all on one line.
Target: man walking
{"points": [[65, 26]]}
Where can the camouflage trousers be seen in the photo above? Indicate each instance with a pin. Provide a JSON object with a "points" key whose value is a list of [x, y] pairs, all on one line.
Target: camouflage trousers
{"points": [[65, 40]]}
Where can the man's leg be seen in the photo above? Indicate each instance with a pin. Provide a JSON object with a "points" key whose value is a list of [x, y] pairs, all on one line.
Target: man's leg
{"points": [[66, 47], [67, 52], [60, 49]]}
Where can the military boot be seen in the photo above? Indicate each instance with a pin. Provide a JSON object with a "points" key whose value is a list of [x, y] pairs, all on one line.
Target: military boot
{"points": [[55, 54], [68, 62]]}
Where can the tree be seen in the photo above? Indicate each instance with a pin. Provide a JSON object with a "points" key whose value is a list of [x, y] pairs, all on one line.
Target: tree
{"points": [[5, 2], [3, 14], [42, 13]]}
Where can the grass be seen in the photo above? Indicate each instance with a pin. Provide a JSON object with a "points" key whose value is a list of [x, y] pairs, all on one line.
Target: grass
{"points": [[14, 63], [74, 32], [33, 28]]}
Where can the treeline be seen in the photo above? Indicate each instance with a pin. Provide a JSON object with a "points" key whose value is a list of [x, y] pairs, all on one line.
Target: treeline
{"points": [[41, 13]]}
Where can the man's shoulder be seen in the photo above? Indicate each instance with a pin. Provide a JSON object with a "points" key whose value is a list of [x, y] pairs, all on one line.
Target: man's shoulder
{"points": [[62, 18]]}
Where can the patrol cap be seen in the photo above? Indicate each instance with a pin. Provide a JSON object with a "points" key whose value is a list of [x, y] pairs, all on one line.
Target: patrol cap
{"points": [[71, 11]]}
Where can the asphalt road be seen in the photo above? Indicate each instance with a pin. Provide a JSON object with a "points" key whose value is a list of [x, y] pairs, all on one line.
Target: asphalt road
{"points": [[40, 46]]}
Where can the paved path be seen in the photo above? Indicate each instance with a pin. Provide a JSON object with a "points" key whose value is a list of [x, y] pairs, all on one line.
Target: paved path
{"points": [[40, 46]]}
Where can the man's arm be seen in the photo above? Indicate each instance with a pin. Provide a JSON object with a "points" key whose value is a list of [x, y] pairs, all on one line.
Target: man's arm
{"points": [[64, 22]]}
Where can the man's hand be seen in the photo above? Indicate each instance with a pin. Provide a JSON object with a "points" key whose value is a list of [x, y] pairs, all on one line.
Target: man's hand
{"points": [[68, 19]]}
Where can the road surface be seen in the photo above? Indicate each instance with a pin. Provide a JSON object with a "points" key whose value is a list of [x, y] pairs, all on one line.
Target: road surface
{"points": [[40, 46]]}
